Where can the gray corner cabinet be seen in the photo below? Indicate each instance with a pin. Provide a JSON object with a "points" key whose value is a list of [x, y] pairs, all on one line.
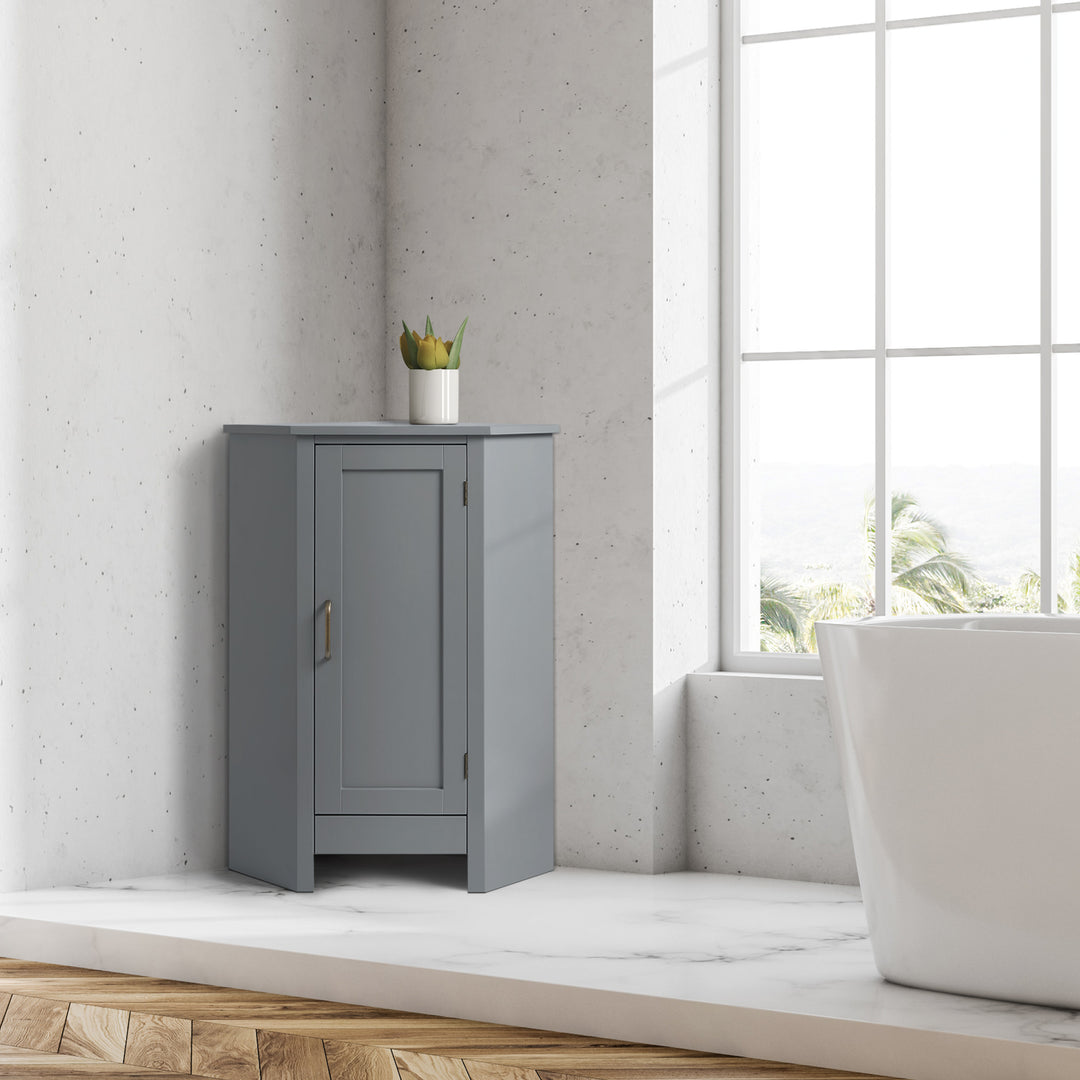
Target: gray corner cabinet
{"points": [[391, 646]]}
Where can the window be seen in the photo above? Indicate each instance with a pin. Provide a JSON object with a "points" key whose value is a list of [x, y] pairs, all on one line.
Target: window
{"points": [[900, 316]]}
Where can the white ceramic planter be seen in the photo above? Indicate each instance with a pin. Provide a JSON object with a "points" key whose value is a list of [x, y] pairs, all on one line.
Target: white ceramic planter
{"points": [[433, 397]]}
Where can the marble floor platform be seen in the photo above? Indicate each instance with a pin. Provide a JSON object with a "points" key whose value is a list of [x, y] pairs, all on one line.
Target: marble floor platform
{"points": [[736, 965]]}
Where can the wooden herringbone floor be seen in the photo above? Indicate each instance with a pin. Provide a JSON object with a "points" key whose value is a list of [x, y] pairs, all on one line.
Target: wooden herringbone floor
{"points": [[60, 1022]]}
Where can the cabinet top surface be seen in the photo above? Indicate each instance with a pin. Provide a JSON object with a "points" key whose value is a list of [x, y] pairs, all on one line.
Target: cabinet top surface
{"points": [[392, 427]]}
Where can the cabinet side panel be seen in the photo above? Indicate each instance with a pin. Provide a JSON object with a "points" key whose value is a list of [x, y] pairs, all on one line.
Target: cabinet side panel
{"points": [[269, 781], [511, 724]]}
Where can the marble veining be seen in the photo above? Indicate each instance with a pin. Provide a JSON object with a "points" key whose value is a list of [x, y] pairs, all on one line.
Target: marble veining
{"points": [[725, 963]]}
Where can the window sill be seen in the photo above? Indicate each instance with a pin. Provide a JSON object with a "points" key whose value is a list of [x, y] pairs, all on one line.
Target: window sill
{"points": [[762, 663], [707, 676]]}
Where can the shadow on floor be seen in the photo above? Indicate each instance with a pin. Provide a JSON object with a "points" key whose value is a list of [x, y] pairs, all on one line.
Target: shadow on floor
{"points": [[445, 871]]}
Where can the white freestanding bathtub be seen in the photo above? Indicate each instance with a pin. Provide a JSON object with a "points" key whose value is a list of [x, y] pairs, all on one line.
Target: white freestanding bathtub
{"points": [[959, 742]]}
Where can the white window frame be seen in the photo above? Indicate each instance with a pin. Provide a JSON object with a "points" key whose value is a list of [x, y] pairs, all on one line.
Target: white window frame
{"points": [[739, 599]]}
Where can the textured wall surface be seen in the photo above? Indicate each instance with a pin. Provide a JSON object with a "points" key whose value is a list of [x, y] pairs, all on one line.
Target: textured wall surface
{"points": [[685, 394], [764, 793], [190, 234], [193, 209], [519, 177], [685, 346]]}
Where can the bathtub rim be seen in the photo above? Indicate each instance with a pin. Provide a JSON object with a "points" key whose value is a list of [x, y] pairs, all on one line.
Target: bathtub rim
{"points": [[1009, 622]]}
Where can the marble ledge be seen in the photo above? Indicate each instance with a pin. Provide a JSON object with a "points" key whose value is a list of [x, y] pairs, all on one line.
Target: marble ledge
{"points": [[738, 965], [705, 678]]}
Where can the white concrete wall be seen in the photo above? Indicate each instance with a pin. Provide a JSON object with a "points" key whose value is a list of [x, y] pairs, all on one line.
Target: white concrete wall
{"points": [[191, 228], [193, 213], [764, 795], [685, 462], [520, 194], [758, 791], [532, 166]]}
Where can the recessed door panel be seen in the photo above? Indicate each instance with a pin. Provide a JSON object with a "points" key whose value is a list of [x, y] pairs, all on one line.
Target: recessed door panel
{"points": [[390, 689], [391, 628]]}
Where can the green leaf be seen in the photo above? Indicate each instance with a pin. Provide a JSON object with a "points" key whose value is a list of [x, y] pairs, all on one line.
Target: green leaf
{"points": [[410, 349], [783, 613], [455, 349], [428, 330]]}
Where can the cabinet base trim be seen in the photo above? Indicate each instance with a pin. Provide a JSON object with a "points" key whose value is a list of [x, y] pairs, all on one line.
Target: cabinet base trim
{"points": [[398, 834]]}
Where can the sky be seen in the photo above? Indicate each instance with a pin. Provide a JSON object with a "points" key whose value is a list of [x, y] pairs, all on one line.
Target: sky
{"points": [[964, 236]]}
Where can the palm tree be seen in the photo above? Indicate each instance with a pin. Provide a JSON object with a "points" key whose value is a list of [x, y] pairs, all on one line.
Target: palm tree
{"points": [[927, 577], [836, 600], [1074, 584], [1029, 589], [783, 615]]}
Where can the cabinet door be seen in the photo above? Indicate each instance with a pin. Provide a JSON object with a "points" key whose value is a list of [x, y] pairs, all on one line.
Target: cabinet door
{"points": [[390, 654]]}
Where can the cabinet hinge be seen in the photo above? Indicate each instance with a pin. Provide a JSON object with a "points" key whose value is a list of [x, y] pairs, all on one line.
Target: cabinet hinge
{"points": [[466, 766], [465, 493]]}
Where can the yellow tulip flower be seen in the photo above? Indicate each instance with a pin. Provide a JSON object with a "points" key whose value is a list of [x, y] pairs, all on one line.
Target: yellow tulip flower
{"points": [[431, 353]]}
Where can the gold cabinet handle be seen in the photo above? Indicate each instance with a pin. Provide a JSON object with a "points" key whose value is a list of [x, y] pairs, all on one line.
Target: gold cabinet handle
{"points": [[327, 653]]}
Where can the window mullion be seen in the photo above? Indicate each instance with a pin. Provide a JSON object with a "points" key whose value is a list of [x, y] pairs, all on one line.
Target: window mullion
{"points": [[1048, 361], [883, 402]]}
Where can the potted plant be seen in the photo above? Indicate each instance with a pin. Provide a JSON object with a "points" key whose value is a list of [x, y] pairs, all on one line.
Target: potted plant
{"points": [[433, 374]]}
